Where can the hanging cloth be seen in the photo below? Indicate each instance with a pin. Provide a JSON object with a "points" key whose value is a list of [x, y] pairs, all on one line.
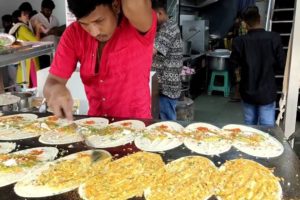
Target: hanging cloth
{"points": [[33, 76]]}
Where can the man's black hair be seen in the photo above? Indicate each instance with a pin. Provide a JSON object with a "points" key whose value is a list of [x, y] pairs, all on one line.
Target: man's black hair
{"points": [[26, 7], [251, 16], [82, 8], [159, 4], [34, 12], [7, 18], [48, 4]]}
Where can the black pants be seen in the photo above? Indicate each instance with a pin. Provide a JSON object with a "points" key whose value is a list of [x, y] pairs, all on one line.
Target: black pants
{"points": [[44, 61]]}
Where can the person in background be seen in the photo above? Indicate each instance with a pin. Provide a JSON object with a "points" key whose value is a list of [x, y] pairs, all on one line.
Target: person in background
{"points": [[260, 54], [168, 55], [27, 8], [22, 32], [7, 23], [50, 24], [239, 28], [113, 41], [10, 71], [50, 28]]}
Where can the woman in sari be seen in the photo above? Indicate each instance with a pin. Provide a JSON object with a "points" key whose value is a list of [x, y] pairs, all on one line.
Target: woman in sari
{"points": [[22, 32]]}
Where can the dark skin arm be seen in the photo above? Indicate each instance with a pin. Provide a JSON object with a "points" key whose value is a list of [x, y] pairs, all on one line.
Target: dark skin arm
{"points": [[57, 31], [58, 97], [139, 13]]}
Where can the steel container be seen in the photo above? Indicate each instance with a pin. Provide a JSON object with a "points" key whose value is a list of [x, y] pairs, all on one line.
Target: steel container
{"points": [[218, 59]]}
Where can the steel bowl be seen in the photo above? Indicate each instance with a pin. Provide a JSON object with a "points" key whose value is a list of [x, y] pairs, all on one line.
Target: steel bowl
{"points": [[24, 105], [9, 107], [218, 59], [8, 102]]}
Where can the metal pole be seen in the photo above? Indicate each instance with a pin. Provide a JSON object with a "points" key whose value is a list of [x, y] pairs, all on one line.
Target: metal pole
{"points": [[271, 6], [293, 81], [179, 11]]}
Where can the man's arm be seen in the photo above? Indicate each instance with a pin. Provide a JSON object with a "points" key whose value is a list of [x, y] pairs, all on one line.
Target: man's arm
{"points": [[57, 31], [235, 54], [58, 97], [139, 13]]}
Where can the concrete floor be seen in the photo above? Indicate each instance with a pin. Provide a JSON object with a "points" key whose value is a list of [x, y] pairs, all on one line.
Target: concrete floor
{"points": [[217, 110]]}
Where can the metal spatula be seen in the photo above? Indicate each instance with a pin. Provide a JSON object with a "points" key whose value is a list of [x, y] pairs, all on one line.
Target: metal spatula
{"points": [[96, 155]]}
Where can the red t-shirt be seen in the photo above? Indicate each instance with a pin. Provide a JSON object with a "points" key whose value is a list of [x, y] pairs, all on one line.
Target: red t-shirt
{"points": [[121, 87]]}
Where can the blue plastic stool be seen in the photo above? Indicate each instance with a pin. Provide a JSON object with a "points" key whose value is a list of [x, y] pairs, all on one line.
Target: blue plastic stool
{"points": [[226, 86]]}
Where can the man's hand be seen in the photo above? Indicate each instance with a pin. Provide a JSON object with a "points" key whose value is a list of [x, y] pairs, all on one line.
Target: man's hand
{"points": [[57, 31], [58, 97], [53, 31]]}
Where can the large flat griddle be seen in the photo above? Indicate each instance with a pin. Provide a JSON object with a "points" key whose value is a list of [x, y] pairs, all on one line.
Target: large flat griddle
{"points": [[286, 166]]}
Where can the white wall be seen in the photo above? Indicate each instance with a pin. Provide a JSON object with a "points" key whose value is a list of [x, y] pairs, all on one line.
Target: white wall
{"points": [[263, 9], [8, 6], [60, 11]]}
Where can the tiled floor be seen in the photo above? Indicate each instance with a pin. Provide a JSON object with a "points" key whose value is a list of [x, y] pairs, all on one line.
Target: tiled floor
{"points": [[217, 110]]}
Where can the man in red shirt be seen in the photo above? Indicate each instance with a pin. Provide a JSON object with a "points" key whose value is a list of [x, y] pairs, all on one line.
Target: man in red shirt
{"points": [[113, 42]]}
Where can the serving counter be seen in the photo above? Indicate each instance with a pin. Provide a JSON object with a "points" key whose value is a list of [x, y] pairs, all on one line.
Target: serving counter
{"points": [[14, 54], [10, 55], [286, 166]]}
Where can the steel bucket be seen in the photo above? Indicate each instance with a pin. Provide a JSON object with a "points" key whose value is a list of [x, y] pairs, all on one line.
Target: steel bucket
{"points": [[218, 59]]}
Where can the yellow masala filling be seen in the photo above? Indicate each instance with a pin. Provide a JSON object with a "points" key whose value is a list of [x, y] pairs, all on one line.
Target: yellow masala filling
{"points": [[68, 129], [204, 134], [253, 139], [111, 131], [13, 122], [247, 180], [71, 173], [10, 163], [187, 178], [124, 178], [160, 133]]}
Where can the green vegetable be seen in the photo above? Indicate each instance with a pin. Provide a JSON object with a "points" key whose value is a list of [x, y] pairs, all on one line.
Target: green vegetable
{"points": [[4, 41]]}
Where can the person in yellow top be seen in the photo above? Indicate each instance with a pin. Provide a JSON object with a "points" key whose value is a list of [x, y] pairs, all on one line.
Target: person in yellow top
{"points": [[22, 32]]}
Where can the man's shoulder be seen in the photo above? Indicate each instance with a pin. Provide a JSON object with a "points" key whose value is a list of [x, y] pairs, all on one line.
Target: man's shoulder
{"points": [[274, 34], [170, 27], [267, 35], [54, 18], [172, 24], [128, 32], [36, 16]]}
